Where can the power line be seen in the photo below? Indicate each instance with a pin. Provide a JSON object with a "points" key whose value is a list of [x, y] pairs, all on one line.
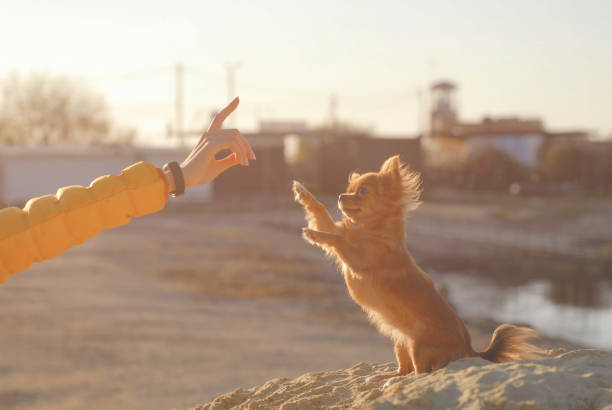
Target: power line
{"points": [[130, 75], [202, 72], [358, 100], [231, 68]]}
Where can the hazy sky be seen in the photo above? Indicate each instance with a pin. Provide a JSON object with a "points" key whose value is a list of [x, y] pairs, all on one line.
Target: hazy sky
{"points": [[551, 59]]}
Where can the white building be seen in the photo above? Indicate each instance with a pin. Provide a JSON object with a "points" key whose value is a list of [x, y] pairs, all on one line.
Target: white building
{"points": [[29, 172]]}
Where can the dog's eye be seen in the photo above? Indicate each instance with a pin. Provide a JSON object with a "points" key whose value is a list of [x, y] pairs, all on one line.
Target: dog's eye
{"points": [[362, 191]]}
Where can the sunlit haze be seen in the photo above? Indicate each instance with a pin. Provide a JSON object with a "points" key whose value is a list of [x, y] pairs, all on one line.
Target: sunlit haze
{"points": [[550, 59]]}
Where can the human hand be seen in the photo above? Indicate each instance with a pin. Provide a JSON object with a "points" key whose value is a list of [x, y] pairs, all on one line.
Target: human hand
{"points": [[201, 167]]}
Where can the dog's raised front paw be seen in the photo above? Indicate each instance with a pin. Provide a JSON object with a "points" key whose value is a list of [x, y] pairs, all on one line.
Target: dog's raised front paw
{"points": [[309, 235], [302, 195]]}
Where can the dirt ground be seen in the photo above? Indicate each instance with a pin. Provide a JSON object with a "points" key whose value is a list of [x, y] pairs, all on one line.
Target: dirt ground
{"points": [[179, 307]]}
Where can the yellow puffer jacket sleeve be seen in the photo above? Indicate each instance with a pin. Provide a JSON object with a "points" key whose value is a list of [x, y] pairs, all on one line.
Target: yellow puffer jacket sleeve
{"points": [[49, 225]]}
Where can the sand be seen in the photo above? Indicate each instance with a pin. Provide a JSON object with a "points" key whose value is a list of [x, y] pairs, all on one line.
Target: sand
{"points": [[580, 379], [178, 308]]}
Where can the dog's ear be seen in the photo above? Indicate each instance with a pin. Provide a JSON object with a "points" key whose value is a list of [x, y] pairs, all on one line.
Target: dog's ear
{"points": [[400, 182], [411, 188], [390, 166], [390, 175], [353, 176]]}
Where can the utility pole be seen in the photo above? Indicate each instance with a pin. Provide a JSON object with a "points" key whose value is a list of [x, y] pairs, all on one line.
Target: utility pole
{"points": [[231, 88], [179, 73], [333, 112], [419, 98], [431, 72]]}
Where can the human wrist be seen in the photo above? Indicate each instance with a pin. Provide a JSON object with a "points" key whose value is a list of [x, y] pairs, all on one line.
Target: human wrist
{"points": [[170, 179], [178, 186]]}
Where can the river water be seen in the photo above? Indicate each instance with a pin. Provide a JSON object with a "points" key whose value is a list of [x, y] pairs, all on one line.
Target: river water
{"points": [[577, 309]]}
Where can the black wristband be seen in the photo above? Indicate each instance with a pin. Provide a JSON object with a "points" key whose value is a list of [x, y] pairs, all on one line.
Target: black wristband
{"points": [[177, 174]]}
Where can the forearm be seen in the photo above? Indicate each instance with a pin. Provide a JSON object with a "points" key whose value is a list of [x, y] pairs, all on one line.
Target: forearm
{"points": [[50, 225]]}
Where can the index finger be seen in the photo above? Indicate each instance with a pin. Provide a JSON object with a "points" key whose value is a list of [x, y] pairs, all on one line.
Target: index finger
{"points": [[217, 122]]}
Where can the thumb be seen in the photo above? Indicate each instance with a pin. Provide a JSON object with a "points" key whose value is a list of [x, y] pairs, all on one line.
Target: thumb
{"points": [[229, 161]]}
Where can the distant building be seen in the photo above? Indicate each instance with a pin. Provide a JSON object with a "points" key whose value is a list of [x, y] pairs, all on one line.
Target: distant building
{"points": [[339, 158], [283, 127], [451, 140]]}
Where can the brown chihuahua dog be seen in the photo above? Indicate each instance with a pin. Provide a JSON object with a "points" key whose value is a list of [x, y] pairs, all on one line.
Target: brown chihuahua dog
{"points": [[381, 276]]}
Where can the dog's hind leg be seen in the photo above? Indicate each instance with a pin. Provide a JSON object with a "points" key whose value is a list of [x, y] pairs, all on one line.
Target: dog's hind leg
{"points": [[427, 358], [404, 362]]}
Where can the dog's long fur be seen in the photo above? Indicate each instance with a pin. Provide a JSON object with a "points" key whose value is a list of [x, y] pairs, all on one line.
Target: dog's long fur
{"points": [[381, 276]]}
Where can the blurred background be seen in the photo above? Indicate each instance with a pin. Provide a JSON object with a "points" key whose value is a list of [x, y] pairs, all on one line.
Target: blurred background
{"points": [[504, 107]]}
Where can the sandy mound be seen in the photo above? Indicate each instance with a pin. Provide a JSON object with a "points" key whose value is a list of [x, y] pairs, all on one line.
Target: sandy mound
{"points": [[580, 379]]}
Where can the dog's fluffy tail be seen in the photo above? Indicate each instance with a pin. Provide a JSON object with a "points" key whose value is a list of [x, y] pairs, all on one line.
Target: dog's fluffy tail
{"points": [[509, 343]]}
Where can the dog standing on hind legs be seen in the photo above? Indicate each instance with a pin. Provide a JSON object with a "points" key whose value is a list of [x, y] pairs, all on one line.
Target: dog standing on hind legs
{"points": [[383, 278]]}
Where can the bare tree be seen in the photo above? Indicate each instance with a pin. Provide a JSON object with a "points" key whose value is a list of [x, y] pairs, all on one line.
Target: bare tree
{"points": [[46, 109]]}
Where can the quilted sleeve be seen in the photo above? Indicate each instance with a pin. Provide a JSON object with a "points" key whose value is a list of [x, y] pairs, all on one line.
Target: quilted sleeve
{"points": [[49, 225]]}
